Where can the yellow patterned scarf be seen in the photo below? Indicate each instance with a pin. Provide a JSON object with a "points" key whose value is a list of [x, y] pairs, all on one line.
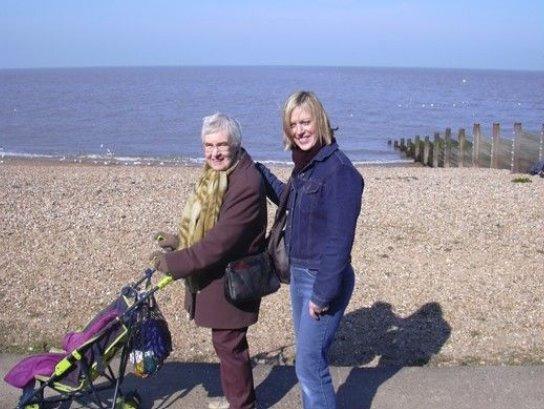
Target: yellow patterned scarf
{"points": [[202, 210]]}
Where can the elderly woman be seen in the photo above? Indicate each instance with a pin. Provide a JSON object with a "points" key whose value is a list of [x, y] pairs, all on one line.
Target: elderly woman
{"points": [[223, 220], [323, 205]]}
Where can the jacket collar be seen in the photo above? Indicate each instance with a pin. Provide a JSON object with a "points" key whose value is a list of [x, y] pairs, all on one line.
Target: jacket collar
{"points": [[244, 160], [323, 154]]}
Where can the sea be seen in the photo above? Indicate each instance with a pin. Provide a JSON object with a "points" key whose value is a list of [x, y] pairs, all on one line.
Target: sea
{"points": [[140, 114]]}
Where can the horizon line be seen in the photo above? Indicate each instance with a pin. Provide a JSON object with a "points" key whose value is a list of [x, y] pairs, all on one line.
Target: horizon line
{"points": [[270, 66]]}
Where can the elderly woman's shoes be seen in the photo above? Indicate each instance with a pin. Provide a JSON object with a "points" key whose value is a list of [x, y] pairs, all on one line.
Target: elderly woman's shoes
{"points": [[219, 402]]}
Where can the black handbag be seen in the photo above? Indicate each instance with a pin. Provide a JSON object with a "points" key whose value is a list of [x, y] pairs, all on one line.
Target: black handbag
{"points": [[276, 239], [250, 278]]}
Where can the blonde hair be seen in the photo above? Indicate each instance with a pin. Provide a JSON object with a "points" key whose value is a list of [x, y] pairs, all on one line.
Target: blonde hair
{"points": [[307, 101]]}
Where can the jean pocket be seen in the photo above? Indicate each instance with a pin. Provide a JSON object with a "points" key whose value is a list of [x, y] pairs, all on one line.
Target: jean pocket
{"points": [[310, 273], [303, 275]]}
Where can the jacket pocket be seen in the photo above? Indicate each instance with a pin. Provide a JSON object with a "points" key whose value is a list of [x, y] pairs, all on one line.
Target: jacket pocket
{"points": [[312, 187], [310, 218], [310, 196]]}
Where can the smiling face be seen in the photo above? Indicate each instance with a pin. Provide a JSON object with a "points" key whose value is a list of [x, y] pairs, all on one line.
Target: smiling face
{"points": [[303, 128], [218, 150]]}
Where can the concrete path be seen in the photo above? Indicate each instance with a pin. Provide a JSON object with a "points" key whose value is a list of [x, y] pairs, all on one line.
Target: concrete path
{"points": [[188, 385]]}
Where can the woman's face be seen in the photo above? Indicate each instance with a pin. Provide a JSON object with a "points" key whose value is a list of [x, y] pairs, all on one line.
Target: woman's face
{"points": [[218, 151], [303, 128]]}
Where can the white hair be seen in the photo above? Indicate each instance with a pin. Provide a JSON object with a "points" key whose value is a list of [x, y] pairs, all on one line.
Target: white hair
{"points": [[221, 122]]}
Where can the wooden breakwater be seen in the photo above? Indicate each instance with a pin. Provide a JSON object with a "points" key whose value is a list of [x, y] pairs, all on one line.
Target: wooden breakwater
{"points": [[518, 154]]}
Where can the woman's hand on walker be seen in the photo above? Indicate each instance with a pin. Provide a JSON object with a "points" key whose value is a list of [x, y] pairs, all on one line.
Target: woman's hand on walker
{"points": [[166, 241], [316, 311], [158, 261]]}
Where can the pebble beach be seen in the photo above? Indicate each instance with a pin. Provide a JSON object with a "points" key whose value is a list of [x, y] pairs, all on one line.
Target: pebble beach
{"points": [[448, 262]]}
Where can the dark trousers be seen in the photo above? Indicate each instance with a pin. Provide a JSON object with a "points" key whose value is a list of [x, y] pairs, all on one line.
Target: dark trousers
{"points": [[235, 367]]}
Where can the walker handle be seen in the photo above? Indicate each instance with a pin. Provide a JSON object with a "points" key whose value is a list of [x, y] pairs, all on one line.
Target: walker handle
{"points": [[167, 279]]}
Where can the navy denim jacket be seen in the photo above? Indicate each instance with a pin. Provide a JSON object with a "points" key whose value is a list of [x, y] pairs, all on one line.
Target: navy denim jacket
{"points": [[323, 206]]}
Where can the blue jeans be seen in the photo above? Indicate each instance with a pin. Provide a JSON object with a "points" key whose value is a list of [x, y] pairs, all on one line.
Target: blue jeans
{"points": [[313, 337]]}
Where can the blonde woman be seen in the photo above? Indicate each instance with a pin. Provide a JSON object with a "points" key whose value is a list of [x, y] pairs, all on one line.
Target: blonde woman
{"points": [[323, 205]]}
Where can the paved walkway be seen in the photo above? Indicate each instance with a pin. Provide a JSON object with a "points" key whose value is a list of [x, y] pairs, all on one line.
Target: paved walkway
{"points": [[188, 385]]}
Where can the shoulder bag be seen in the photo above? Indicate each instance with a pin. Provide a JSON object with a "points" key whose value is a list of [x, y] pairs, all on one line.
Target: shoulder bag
{"points": [[253, 277], [276, 239], [250, 278]]}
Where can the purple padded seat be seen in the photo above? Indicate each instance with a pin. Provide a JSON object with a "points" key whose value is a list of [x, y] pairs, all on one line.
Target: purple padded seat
{"points": [[23, 373], [74, 340]]}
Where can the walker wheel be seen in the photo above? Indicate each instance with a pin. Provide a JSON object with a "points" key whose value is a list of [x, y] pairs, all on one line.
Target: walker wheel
{"points": [[131, 400]]}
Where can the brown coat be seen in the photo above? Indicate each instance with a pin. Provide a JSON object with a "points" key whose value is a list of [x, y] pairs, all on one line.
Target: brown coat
{"points": [[239, 231]]}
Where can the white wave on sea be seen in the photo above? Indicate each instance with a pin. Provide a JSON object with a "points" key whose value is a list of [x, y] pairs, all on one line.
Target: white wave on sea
{"points": [[25, 155], [108, 159], [384, 162], [103, 159]]}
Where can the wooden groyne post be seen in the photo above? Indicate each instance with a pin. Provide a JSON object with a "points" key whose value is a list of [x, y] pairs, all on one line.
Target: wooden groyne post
{"points": [[476, 143], [417, 149], [461, 140], [516, 148], [517, 154], [447, 148], [495, 138], [541, 146], [427, 150], [436, 145]]}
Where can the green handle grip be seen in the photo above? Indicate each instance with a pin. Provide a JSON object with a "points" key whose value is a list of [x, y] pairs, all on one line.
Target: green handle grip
{"points": [[165, 281]]}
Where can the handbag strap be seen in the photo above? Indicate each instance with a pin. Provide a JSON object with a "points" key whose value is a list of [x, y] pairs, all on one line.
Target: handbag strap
{"points": [[284, 197]]}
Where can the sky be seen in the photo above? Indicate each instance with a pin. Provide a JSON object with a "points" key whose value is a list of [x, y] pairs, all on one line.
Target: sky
{"points": [[479, 34]]}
